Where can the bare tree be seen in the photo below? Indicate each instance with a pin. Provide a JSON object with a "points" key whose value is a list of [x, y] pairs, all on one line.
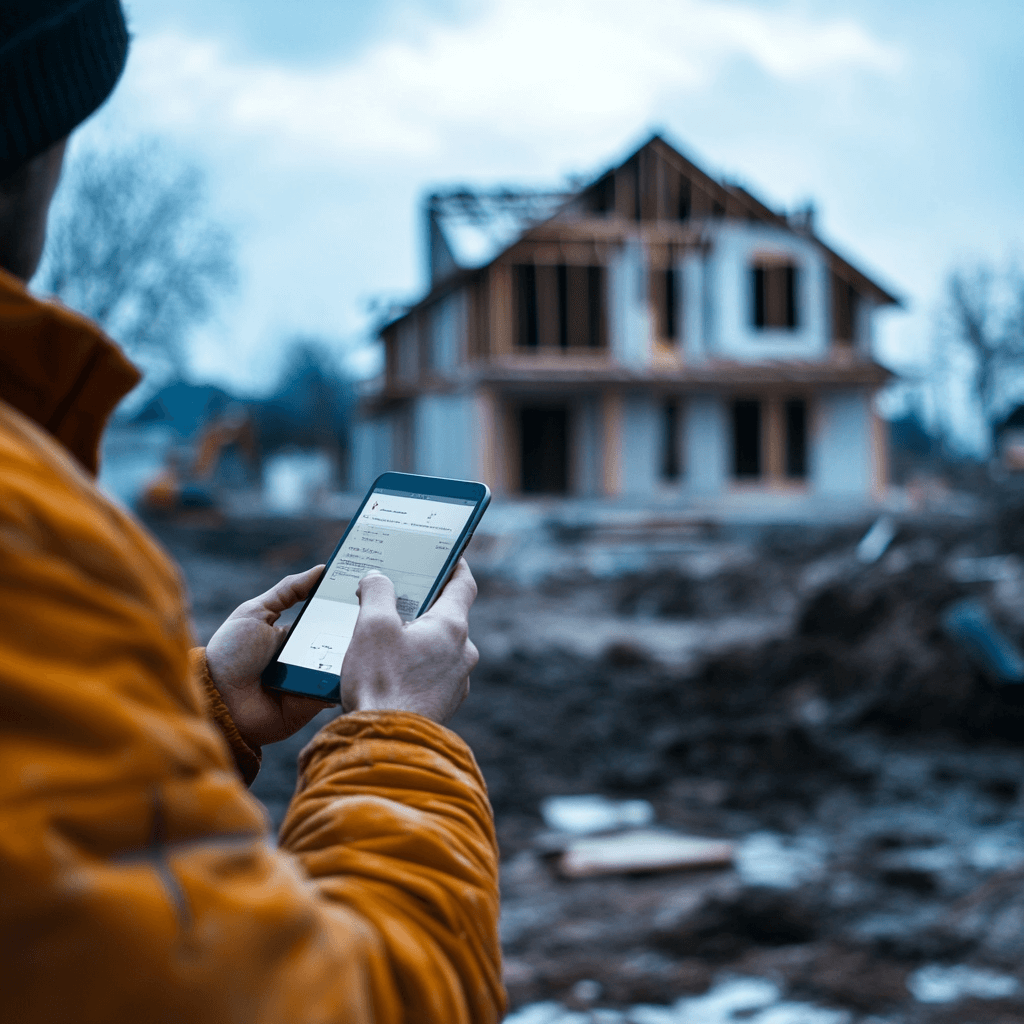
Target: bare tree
{"points": [[984, 318], [131, 245], [312, 403]]}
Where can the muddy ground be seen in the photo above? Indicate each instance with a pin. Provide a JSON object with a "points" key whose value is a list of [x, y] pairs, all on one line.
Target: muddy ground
{"points": [[756, 684]]}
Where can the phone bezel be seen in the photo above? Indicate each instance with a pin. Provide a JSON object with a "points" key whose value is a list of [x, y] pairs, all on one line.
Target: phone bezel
{"points": [[325, 686]]}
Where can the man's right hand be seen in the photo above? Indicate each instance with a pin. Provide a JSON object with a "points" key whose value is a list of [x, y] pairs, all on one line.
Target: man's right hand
{"points": [[421, 666]]}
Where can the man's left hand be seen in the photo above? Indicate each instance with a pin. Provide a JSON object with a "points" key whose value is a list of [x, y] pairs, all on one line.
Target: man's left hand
{"points": [[242, 648]]}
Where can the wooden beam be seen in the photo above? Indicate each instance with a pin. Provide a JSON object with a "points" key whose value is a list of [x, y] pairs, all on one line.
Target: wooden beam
{"points": [[774, 439], [491, 456], [547, 306], [611, 443], [500, 310]]}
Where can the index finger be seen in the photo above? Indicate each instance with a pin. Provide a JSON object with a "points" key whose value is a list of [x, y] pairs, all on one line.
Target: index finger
{"points": [[458, 594], [289, 591]]}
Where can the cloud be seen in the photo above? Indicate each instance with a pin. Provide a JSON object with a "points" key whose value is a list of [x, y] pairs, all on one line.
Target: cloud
{"points": [[519, 70]]}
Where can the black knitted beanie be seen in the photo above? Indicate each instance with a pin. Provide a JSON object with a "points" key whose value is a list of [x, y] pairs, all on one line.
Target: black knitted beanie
{"points": [[59, 60]]}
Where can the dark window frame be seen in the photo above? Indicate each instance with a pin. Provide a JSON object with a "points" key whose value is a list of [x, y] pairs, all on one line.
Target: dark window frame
{"points": [[775, 296], [795, 425], [525, 283], [747, 455], [580, 307], [671, 300]]}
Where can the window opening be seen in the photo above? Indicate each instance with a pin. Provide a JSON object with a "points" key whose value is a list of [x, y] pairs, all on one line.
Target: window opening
{"points": [[844, 310], [526, 293], [774, 293], [595, 307], [746, 435], [563, 305], [670, 304], [671, 449], [683, 213], [759, 310], [573, 306], [790, 306], [603, 195], [544, 449], [796, 438]]}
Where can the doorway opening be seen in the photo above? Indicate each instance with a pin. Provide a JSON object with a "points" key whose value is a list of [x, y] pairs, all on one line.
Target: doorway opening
{"points": [[796, 438], [671, 448], [544, 449], [746, 439]]}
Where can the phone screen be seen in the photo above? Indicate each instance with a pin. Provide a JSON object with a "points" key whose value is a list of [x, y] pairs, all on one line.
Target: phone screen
{"points": [[406, 536]]}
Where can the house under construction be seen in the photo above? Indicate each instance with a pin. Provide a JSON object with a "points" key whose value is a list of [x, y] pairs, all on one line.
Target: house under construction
{"points": [[656, 331]]}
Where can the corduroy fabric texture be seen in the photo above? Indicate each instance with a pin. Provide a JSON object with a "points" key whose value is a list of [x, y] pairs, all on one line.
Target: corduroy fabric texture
{"points": [[59, 60]]}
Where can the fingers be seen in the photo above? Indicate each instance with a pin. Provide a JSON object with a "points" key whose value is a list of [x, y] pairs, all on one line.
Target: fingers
{"points": [[472, 657], [458, 595], [377, 602], [289, 591]]}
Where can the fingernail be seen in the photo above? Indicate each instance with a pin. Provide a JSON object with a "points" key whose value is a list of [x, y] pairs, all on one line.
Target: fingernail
{"points": [[373, 572]]}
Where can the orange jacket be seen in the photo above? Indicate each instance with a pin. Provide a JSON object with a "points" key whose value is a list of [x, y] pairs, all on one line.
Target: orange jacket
{"points": [[138, 881]]}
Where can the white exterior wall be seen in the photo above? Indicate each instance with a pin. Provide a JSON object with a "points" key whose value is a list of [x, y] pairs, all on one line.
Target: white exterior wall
{"points": [[629, 316], [840, 450], [865, 327], [372, 451], [706, 438], [586, 438], [407, 360], [691, 314], [641, 443], [731, 330], [448, 331], [444, 436]]}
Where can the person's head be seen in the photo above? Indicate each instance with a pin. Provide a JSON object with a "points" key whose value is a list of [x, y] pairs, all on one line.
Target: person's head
{"points": [[59, 60]]}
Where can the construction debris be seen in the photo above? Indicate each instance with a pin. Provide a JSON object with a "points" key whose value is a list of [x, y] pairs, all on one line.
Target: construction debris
{"points": [[582, 815], [642, 850], [762, 686], [876, 541], [970, 625], [936, 983]]}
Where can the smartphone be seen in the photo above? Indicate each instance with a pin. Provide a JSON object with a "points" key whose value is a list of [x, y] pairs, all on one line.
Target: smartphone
{"points": [[411, 528]]}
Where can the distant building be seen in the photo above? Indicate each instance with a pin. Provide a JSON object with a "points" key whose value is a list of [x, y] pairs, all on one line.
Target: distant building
{"points": [[660, 331]]}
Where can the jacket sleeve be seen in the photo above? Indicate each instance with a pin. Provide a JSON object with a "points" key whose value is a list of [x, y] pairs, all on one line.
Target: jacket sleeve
{"points": [[391, 821], [248, 759], [137, 873]]}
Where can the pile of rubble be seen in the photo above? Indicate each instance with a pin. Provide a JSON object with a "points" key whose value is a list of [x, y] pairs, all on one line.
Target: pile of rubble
{"points": [[859, 751], [833, 725]]}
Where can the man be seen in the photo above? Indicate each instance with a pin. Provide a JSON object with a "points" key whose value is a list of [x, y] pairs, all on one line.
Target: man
{"points": [[137, 879]]}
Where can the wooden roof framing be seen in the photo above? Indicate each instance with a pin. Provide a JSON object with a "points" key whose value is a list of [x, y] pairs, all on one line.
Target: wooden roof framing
{"points": [[728, 201]]}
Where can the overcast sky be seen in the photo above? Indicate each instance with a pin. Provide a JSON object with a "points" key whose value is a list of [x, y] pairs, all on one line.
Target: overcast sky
{"points": [[321, 123]]}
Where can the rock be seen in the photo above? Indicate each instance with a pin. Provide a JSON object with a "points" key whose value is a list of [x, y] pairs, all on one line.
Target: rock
{"points": [[584, 993], [768, 859], [990, 920], [582, 815], [938, 984], [726, 920], [970, 626], [874, 543]]}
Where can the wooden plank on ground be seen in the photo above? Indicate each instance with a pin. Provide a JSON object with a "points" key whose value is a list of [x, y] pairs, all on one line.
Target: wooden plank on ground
{"points": [[642, 850]]}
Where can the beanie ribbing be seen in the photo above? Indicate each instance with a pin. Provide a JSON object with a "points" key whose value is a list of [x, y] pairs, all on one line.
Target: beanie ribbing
{"points": [[58, 62]]}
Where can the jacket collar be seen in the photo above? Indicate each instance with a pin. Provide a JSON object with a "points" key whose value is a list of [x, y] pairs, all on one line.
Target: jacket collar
{"points": [[59, 369]]}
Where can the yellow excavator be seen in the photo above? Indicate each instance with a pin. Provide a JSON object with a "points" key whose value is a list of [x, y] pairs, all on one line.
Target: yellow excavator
{"points": [[183, 484]]}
